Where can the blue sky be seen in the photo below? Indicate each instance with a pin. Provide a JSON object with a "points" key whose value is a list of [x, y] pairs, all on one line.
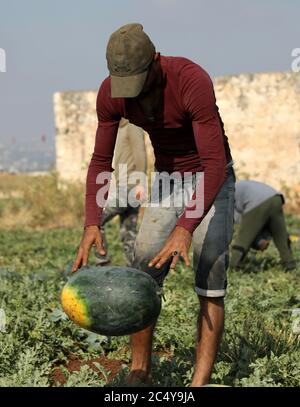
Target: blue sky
{"points": [[60, 45]]}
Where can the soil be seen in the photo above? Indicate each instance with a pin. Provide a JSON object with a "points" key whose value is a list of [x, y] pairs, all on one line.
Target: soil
{"points": [[74, 365], [110, 365]]}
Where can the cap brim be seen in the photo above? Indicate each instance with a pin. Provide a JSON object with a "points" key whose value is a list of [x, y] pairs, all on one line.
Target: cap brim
{"points": [[127, 86]]}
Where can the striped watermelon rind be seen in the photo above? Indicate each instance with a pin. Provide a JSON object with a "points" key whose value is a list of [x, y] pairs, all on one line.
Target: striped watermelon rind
{"points": [[112, 301]]}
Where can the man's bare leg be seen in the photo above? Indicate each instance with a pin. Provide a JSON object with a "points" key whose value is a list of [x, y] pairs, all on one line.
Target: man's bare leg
{"points": [[210, 329], [141, 348]]}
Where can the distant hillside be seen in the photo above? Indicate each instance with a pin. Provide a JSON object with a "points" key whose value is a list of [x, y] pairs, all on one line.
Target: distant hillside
{"points": [[15, 158]]}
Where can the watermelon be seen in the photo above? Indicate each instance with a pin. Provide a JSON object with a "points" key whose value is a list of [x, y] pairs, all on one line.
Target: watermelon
{"points": [[111, 301]]}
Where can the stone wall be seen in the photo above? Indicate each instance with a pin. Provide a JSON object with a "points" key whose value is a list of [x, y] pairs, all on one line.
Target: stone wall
{"points": [[76, 123], [261, 113], [262, 119]]}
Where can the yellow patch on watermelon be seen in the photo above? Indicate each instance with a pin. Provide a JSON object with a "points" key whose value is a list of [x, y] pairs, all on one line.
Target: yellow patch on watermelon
{"points": [[75, 307]]}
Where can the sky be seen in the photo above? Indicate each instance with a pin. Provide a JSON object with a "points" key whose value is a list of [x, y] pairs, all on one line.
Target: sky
{"points": [[59, 45]]}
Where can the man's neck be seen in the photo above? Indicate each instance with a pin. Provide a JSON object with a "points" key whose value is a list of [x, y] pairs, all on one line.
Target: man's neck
{"points": [[150, 102]]}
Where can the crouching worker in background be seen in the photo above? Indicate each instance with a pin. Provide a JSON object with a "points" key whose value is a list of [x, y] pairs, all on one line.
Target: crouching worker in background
{"points": [[259, 213], [129, 157]]}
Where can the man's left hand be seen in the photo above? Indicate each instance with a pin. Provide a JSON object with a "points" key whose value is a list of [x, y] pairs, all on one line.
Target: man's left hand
{"points": [[177, 245]]}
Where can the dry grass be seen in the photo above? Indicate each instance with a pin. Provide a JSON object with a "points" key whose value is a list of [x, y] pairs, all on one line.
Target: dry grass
{"points": [[46, 202], [40, 202]]}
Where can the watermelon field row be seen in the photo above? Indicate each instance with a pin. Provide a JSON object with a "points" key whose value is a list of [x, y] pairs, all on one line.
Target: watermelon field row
{"points": [[40, 347]]}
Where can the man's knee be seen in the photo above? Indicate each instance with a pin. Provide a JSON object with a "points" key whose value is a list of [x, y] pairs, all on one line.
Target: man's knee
{"points": [[204, 301], [211, 309], [143, 254]]}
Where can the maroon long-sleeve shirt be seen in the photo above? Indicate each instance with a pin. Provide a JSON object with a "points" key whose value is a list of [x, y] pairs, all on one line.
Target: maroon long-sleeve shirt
{"points": [[187, 137]]}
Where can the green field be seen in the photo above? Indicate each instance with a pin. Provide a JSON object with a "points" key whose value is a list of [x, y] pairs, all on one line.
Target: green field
{"points": [[40, 228], [261, 344]]}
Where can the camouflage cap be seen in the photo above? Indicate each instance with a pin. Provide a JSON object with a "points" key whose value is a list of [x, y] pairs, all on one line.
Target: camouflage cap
{"points": [[129, 54]]}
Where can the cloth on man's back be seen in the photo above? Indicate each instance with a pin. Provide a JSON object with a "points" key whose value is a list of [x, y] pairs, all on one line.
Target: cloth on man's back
{"points": [[130, 150], [250, 194]]}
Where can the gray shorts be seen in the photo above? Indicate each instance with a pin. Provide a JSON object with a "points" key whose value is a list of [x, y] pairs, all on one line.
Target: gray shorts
{"points": [[211, 240]]}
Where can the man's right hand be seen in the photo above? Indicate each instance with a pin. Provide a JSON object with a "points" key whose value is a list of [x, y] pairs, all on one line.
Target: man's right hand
{"points": [[140, 193], [91, 237]]}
